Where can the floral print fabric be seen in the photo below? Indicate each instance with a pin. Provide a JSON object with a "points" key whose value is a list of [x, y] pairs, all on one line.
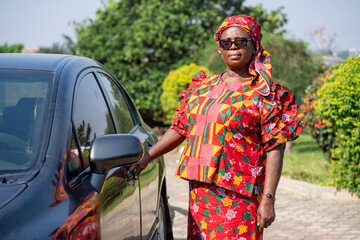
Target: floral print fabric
{"points": [[217, 213]]}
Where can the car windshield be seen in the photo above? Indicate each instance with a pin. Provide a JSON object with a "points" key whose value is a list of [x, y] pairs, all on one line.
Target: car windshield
{"points": [[24, 97]]}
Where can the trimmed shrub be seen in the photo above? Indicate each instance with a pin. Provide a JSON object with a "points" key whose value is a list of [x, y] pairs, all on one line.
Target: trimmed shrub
{"points": [[319, 128], [339, 107], [177, 81]]}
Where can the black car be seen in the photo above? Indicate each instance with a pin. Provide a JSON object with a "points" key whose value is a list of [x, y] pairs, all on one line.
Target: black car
{"points": [[68, 133]]}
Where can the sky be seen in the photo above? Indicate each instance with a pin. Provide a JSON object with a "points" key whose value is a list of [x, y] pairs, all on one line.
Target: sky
{"points": [[43, 22]]}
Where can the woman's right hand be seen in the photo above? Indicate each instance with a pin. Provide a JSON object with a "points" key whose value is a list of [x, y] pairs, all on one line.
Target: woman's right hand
{"points": [[136, 168], [168, 142]]}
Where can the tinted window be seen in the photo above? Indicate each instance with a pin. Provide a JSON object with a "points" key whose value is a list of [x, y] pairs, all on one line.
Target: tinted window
{"points": [[121, 110], [75, 165], [24, 97], [90, 114]]}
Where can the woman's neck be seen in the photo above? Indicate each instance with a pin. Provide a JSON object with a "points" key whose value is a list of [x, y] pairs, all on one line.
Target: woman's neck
{"points": [[231, 76]]}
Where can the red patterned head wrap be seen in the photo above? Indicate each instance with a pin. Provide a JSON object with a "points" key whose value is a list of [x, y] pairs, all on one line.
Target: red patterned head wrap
{"points": [[260, 64]]}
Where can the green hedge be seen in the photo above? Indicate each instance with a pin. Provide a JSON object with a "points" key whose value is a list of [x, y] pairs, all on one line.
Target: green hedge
{"points": [[319, 129], [338, 105], [177, 81]]}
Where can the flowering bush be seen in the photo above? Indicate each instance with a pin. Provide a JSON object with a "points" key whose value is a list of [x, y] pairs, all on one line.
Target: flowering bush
{"points": [[320, 129], [177, 81], [338, 105]]}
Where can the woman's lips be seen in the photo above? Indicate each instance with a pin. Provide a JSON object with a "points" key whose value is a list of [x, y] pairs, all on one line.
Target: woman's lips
{"points": [[234, 56]]}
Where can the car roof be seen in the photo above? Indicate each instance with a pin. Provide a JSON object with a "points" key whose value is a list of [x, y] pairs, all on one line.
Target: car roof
{"points": [[37, 61]]}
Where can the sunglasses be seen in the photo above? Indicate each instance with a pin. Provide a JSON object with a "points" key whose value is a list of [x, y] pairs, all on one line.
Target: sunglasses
{"points": [[239, 43]]}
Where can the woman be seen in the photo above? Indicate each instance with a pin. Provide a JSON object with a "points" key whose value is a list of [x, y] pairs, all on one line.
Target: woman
{"points": [[236, 124]]}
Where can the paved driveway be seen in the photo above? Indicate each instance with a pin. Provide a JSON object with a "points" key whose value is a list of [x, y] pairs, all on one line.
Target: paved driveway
{"points": [[304, 211]]}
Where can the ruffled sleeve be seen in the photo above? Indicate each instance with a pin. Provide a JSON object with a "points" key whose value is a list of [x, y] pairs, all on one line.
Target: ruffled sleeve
{"points": [[280, 119], [180, 118]]}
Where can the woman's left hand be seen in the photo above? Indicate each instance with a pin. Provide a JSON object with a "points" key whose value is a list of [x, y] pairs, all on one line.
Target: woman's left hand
{"points": [[266, 213]]}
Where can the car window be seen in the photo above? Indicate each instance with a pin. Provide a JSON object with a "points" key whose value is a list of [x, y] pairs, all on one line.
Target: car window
{"points": [[24, 97], [75, 165], [121, 110], [91, 115]]}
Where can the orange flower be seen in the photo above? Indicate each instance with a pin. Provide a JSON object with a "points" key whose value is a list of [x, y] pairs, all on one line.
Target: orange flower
{"points": [[203, 224], [238, 180], [328, 125], [212, 235], [227, 202], [242, 229], [306, 100]]}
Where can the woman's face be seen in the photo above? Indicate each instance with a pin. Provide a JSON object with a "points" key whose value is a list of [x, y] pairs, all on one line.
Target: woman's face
{"points": [[235, 58]]}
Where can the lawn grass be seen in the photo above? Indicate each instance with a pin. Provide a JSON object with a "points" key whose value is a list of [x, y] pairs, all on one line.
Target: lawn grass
{"points": [[306, 162]]}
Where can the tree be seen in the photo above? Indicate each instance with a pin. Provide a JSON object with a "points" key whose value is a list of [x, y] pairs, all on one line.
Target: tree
{"points": [[13, 48], [140, 41], [293, 65], [55, 48], [69, 47]]}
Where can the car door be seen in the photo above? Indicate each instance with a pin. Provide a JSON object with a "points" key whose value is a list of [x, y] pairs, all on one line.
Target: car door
{"points": [[127, 120], [119, 202]]}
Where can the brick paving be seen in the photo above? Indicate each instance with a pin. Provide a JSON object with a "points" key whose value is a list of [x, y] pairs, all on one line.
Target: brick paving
{"points": [[303, 211]]}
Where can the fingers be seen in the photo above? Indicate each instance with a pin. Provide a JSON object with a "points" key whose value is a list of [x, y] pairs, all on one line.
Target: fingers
{"points": [[133, 172], [137, 172], [264, 222], [133, 167], [260, 222]]}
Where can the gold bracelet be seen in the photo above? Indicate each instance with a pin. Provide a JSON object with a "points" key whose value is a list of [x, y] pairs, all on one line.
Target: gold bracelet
{"points": [[270, 196]]}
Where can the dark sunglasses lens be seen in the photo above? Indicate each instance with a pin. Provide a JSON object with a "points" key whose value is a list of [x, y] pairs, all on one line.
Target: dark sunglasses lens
{"points": [[241, 42], [225, 44]]}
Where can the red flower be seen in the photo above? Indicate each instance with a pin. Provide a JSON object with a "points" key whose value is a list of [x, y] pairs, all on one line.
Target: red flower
{"points": [[328, 125], [318, 124]]}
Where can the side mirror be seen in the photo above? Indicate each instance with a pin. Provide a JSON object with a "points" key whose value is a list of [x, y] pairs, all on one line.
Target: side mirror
{"points": [[110, 151]]}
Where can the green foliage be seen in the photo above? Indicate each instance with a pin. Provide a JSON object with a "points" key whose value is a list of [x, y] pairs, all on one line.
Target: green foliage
{"points": [[270, 21], [293, 66], [177, 81], [14, 48], [209, 57], [69, 47], [322, 132], [339, 105], [141, 41], [306, 162]]}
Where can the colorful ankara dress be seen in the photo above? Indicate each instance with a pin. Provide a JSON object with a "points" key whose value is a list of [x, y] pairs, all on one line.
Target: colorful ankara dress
{"points": [[229, 128]]}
